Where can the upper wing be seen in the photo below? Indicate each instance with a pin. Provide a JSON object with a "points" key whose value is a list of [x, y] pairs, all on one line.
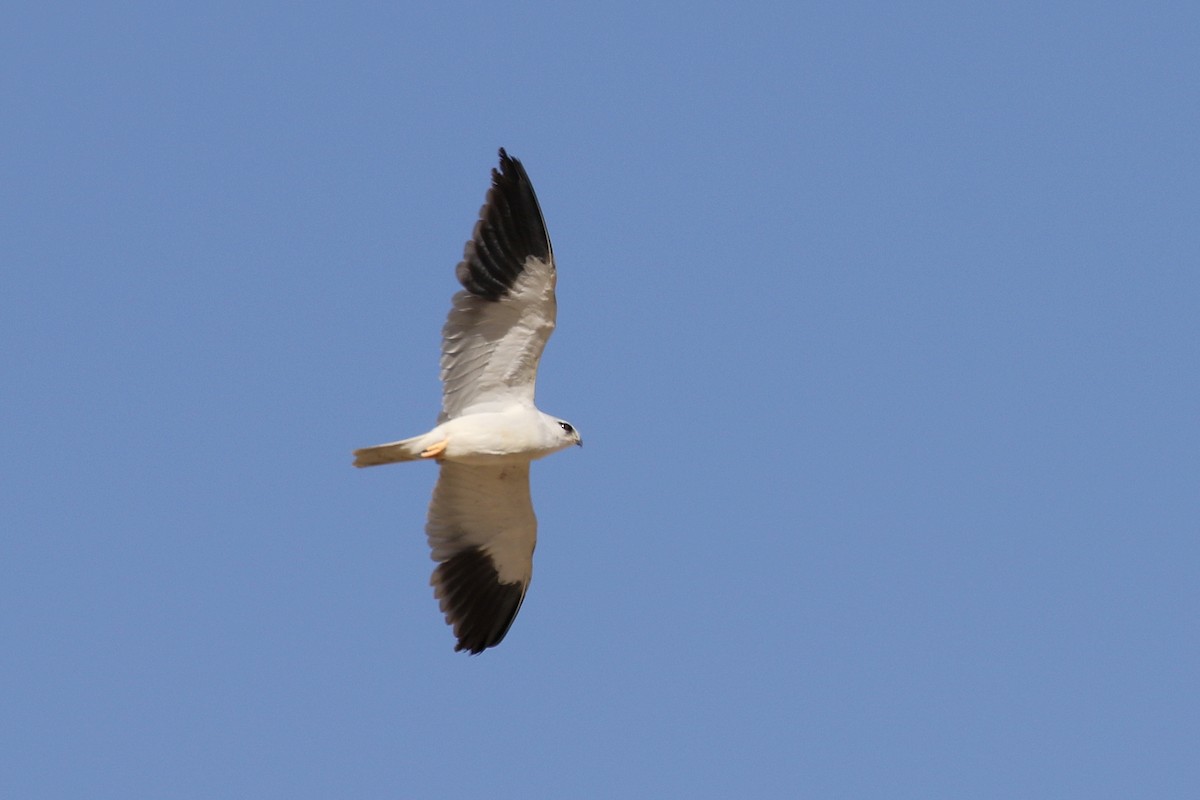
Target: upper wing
{"points": [[499, 324], [482, 531]]}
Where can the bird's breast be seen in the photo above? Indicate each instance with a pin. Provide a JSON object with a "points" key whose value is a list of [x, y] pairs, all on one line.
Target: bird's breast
{"points": [[494, 438]]}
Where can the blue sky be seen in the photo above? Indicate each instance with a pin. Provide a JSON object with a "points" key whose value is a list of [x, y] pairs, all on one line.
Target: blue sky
{"points": [[879, 322]]}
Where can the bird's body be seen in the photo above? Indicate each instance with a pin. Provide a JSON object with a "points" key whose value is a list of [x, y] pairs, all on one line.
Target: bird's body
{"points": [[516, 435], [481, 526]]}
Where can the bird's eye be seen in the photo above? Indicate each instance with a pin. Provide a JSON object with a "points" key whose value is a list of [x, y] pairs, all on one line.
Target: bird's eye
{"points": [[566, 427]]}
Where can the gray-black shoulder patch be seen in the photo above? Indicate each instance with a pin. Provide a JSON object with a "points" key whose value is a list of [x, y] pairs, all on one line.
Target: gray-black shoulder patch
{"points": [[476, 603], [510, 230]]}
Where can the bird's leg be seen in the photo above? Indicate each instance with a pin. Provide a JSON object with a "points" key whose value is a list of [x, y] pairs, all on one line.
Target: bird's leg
{"points": [[435, 450]]}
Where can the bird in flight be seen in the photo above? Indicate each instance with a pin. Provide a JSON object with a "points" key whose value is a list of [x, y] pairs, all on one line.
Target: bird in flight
{"points": [[481, 525]]}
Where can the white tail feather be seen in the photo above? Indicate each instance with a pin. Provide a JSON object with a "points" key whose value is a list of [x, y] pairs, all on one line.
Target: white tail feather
{"points": [[391, 453]]}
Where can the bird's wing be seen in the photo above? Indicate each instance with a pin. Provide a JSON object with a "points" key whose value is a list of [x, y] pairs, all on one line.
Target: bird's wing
{"points": [[482, 531], [498, 325]]}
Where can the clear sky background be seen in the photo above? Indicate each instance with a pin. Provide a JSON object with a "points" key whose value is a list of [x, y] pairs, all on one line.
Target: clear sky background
{"points": [[880, 325]]}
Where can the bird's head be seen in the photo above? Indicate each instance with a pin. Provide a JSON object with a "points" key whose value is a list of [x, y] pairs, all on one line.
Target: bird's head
{"points": [[567, 433]]}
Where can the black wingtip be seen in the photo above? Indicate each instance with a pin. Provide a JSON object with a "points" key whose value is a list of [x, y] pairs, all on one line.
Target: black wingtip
{"points": [[510, 230], [477, 604]]}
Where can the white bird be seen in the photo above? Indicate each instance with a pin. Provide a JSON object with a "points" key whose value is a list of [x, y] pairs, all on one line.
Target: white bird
{"points": [[481, 525]]}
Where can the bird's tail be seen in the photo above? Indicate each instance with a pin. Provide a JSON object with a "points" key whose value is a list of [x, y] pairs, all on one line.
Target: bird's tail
{"points": [[391, 453]]}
